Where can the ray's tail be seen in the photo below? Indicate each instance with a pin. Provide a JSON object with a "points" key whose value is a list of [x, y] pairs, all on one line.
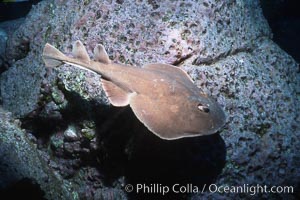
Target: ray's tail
{"points": [[53, 57]]}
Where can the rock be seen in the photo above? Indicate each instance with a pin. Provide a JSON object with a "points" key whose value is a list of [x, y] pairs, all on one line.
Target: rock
{"points": [[3, 39], [6, 31], [107, 193], [225, 46], [70, 134], [20, 86], [20, 163]]}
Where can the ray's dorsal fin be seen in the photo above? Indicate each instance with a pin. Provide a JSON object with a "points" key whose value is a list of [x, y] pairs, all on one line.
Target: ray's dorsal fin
{"points": [[100, 54], [52, 56], [80, 52], [116, 95]]}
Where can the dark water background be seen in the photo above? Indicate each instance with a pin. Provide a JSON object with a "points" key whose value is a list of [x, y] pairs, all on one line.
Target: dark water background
{"points": [[11, 10], [284, 19]]}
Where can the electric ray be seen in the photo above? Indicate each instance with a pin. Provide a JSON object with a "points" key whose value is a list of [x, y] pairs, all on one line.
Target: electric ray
{"points": [[162, 96]]}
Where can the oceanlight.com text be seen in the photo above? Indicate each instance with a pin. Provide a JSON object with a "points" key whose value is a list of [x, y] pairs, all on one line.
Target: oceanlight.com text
{"points": [[252, 190]]}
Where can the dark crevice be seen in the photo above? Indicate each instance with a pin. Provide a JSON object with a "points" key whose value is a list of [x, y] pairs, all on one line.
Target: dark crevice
{"points": [[23, 189], [4, 65], [233, 52], [182, 59], [212, 60], [189, 161], [283, 17]]}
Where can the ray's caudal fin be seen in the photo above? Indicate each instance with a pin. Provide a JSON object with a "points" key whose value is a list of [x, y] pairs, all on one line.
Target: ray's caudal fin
{"points": [[52, 56], [163, 97]]}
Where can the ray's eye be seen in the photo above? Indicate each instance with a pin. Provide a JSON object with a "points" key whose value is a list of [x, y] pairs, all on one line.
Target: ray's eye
{"points": [[203, 108]]}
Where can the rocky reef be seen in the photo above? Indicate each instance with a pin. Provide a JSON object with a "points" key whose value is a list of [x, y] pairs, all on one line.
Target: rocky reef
{"points": [[20, 164], [65, 137]]}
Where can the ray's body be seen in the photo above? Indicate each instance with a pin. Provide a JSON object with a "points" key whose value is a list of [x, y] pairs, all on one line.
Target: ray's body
{"points": [[162, 96]]}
